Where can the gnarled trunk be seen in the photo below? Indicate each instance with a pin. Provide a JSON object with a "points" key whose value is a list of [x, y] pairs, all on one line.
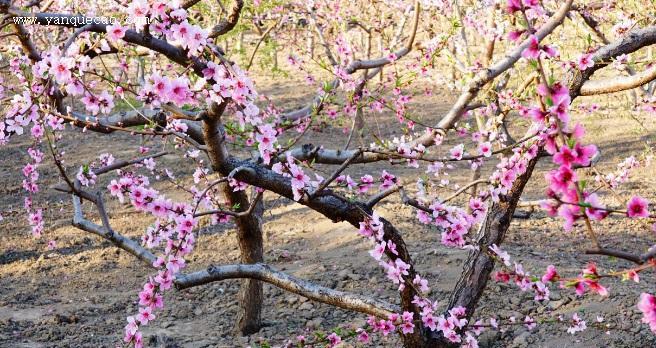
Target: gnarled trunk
{"points": [[479, 264], [249, 227], [249, 234]]}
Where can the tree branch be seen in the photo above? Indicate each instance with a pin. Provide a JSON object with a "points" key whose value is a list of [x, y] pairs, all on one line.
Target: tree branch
{"points": [[265, 273], [492, 72], [317, 102], [225, 26], [618, 83]]}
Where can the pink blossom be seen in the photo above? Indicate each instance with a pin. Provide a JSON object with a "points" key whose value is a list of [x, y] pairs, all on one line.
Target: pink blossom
{"points": [[388, 180], [363, 336], [533, 49], [485, 149], [515, 35], [407, 327], [637, 207], [513, 6], [378, 250], [145, 315], [165, 279], [565, 156], [130, 329], [387, 327], [584, 61], [550, 275], [633, 275], [578, 325], [180, 92], [457, 152], [422, 283], [595, 214], [366, 182], [185, 224], [37, 131], [91, 103], [61, 69], [501, 254], [299, 181], [647, 305], [334, 339], [470, 341], [175, 264], [529, 323], [115, 32], [429, 321]]}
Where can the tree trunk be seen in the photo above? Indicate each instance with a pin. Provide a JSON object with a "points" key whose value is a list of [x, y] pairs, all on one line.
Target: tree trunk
{"points": [[249, 228], [479, 264], [249, 234]]}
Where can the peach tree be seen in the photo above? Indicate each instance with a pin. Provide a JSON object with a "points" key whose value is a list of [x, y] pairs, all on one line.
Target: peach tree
{"points": [[180, 73]]}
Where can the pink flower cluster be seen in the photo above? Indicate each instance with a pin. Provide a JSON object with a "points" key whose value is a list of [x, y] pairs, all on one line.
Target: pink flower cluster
{"points": [[647, 305], [509, 168], [35, 216], [19, 114], [513, 6], [454, 222], [160, 90], [396, 269], [299, 180], [590, 278], [522, 278], [450, 326], [174, 226]]}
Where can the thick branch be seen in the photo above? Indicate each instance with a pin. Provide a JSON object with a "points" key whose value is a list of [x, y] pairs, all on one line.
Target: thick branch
{"points": [[265, 273], [616, 253], [618, 83], [227, 25], [107, 232], [174, 53], [631, 42], [126, 119], [506, 63]]}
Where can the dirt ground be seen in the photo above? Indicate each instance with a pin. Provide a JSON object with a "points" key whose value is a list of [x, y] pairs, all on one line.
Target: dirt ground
{"points": [[79, 294]]}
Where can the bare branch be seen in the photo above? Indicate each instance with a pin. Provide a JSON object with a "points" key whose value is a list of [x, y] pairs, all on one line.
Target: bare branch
{"points": [[324, 42], [335, 174], [382, 195], [257, 45], [189, 3], [616, 253], [292, 284], [492, 72], [317, 102], [116, 165], [106, 231], [618, 83], [631, 42], [229, 24], [125, 119], [122, 164], [464, 188], [71, 39], [251, 208]]}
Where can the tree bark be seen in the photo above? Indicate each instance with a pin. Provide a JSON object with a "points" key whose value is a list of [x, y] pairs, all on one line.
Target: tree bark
{"points": [[249, 234], [249, 227], [479, 264]]}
